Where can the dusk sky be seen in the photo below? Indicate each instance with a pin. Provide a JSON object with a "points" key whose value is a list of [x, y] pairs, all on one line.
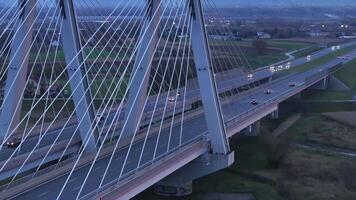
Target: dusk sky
{"points": [[275, 2]]}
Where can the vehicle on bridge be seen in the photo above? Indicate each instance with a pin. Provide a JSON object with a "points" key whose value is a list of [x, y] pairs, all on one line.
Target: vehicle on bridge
{"points": [[13, 142]]}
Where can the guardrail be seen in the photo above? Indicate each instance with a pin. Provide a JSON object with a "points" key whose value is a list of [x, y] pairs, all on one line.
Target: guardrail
{"points": [[230, 122], [113, 185], [307, 82]]}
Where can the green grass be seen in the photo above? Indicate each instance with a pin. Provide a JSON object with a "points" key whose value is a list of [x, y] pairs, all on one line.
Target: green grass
{"points": [[347, 75], [306, 52], [287, 45], [265, 60], [304, 125], [227, 182], [328, 95]]}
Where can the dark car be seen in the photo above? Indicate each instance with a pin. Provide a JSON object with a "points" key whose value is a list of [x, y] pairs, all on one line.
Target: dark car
{"points": [[254, 102], [268, 91], [292, 84], [13, 142]]}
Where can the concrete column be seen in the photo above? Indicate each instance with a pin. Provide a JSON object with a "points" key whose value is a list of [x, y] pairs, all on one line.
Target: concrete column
{"points": [[275, 114], [253, 130], [180, 182], [206, 80], [297, 96], [142, 67], [18, 67], [76, 70]]}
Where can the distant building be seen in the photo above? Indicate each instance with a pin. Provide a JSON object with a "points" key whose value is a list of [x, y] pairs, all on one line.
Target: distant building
{"points": [[225, 37], [263, 35], [318, 34]]}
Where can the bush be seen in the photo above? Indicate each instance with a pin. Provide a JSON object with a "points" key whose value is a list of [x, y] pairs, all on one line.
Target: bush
{"points": [[275, 149]]}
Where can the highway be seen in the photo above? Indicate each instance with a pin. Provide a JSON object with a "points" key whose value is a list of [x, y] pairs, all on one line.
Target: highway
{"points": [[225, 82], [193, 128]]}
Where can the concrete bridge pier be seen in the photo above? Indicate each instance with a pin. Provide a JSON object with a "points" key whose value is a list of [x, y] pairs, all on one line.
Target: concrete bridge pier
{"points": [[297, 96], [253, 130], [275, 114], [180, 183], [330, 83], [321, 85]]}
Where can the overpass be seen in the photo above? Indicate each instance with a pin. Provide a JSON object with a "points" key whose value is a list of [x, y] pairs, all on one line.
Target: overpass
{"points": [[177, 134]]}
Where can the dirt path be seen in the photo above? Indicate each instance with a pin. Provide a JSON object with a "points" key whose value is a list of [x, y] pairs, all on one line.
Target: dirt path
{"points": [[283, 127], [348, 118]]}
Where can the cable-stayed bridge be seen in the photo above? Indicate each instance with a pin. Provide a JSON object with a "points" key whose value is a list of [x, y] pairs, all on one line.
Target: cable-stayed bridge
{"points": [[102, 103]]}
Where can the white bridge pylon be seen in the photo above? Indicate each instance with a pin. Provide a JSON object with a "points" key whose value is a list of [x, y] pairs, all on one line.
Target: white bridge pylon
{"points": [[18, 66], [204, 69], [139, 82]]}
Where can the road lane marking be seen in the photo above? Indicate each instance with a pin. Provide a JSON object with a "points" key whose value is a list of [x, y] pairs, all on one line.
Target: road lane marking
{"points": [[42, 194], [77, 188], [72, 180], [97, 168], [119, 158]]}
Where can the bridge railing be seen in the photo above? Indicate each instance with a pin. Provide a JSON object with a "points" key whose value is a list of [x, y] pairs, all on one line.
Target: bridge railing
{"points": [[113, 185], [308, 80]]}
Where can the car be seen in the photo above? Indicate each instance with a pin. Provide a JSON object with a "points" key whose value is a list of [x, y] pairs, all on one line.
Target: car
{"points": [[171, 99], [291, 84], [13, 142], [342, 58], [254, 102], [308, 57], [250, 76], [268, 91], [178, 94]]}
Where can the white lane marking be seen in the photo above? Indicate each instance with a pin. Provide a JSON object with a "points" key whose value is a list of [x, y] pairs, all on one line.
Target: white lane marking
{"points": [[97, 168], [42, 194], [72, 180], [119, 158], [77, 188]]}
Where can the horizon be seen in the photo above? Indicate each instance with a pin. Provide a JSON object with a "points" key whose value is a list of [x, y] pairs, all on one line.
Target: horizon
{"points": [[269, 3]]}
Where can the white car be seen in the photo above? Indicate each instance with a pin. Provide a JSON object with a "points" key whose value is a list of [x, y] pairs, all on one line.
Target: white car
{"points": [[171, 99], [309, 58], [342, 58], [250, 76]]}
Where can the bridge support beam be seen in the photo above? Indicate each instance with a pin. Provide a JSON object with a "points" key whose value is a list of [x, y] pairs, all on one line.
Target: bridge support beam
{"points": [[142, 67], [321, 85], [180, 182], [205, 73], [17, 69], [253, 130], [76, 71], [275, 114]]}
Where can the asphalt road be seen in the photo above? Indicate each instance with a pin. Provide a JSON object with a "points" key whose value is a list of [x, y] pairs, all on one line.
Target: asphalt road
{"points": [[224, 82]]}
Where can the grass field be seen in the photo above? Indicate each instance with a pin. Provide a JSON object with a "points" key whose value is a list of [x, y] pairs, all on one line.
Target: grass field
{"points": [[302, 173], [347, 75], [287, 44], [320, 61], [306, 51], [276, 50]]}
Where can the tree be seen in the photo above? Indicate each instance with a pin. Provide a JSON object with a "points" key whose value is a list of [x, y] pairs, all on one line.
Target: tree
{"points": [[260, 45]]}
